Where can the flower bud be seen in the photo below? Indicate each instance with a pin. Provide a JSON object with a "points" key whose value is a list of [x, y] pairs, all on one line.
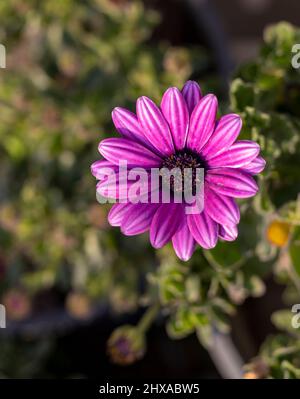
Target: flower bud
{"points": [[126, 345], [257, 369], [17, 304], [97, 216], [78, 305], [177, 61], [123, 300]]}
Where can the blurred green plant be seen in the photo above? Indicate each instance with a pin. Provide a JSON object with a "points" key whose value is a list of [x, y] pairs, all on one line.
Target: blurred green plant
{"points": [[266, 93], [69, 65]]}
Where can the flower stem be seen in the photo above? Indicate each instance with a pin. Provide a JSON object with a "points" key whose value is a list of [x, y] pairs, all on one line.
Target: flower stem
{"points": [[148, 318], [225, 356]]}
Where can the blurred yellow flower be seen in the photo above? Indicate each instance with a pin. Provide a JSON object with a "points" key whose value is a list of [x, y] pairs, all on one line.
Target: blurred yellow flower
{"points": [[278, 233]]}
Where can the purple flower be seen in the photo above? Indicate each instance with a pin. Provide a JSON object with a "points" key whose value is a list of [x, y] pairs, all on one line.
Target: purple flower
{"points": [[183, 132]]}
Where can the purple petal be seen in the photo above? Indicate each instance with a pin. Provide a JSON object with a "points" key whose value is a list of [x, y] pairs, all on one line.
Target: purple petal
{"points": [[183, 242], [165, 223], [256, 166], [117, 213], [228, 233], [102, 168], [203, 229], [202, 122], [116, 149], [192, 94], [238, 155], [226, 132], [155, 127], [231, 182], [220, 208], [176, 113], [138, 218], [128, 126]]}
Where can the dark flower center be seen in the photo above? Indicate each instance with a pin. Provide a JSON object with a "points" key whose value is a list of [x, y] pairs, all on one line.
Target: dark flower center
{"points": [[186, 163]]}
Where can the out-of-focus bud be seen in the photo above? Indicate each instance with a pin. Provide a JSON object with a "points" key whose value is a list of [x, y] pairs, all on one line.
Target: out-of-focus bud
{"points": [[283, 263], [17, 304], [51, 117], [237, 293], [278, 233], [62, 240], [126, 345], [78, 305], [97, 216], [8, 218], [177, 61], [69, 63], [123, 300], [257, 369]]}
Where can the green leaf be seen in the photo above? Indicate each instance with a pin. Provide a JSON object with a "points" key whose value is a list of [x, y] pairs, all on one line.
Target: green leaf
{"points": [[226, 254], [293, 371], [180, 325], [241, 95], [193, 288], [205, 335], [256, 286], [199, 319]]}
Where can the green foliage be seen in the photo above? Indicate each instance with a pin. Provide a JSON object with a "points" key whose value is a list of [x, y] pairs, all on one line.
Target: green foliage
{"points": [[203, 294], [266, 93], [281, 355], [69, 65]]}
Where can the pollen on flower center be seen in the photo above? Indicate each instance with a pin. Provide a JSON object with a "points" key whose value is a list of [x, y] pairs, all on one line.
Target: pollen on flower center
{"points": [[186, 163]]}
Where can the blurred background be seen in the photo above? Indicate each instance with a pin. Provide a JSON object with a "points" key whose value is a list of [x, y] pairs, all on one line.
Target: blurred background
{"points": [[67, 279]]}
